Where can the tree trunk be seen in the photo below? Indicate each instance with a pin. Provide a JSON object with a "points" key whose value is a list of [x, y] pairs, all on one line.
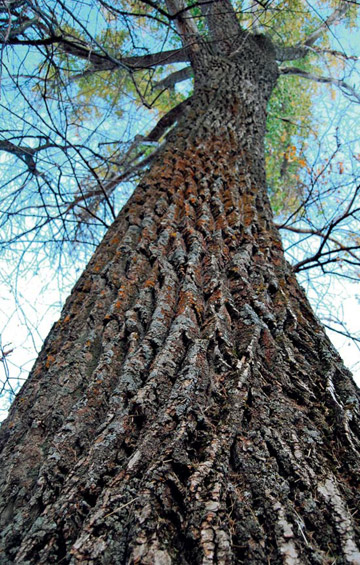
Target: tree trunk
{"points": [[188, 408]]}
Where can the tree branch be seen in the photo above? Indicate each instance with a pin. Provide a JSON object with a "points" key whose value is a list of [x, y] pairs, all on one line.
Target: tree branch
{"points": [[174, 78], [26, 154], [116, 11], [319, 233], [344, 333], [334, 53], [332, 19], [108, 185], [291, 53], [321, 79], [102, 63], [300, 50], [185, 24], [167, 121]]}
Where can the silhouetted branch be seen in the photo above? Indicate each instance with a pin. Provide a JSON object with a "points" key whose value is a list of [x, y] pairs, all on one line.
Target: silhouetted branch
{"points": [[334, 18], [175, 78], [321, 79]]}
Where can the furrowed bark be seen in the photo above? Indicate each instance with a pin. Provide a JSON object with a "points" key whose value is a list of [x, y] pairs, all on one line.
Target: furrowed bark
{"points": [[188, 408]]}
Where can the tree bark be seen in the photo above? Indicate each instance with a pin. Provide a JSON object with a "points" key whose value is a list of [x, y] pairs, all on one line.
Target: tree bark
{"points": [[188, 407]]}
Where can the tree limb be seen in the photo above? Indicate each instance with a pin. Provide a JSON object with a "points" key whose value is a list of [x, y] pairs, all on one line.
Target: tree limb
{"points": [[26, 154], [300, 50], [114, 10], [185, 24], [344, 333], [334, 53], [291, 53], [108, 185], [14, 31], [319, 233], [174, 78], [333, 18], [167, 121], [102, 63], [321, 79]]}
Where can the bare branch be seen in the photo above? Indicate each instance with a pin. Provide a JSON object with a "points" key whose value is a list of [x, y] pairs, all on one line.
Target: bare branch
{"points": [[325, 237], [300, 50], [334, 18], [293, 53], [186, 29], [26, 154], [344, 86], [102, 63], [175, 78], [128, 163], [115, 11], [108, 186], [344, 333], [335, 53], [167, 121]]}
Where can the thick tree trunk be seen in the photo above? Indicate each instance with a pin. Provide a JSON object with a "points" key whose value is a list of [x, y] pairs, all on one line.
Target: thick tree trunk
{"points": [[188, 408]]}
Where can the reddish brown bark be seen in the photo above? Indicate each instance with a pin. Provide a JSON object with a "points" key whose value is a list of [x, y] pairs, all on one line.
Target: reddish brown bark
{"points": [[188, 407]]}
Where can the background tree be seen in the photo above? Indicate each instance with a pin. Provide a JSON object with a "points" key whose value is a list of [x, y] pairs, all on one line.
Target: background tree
{"points": [[187, 407]]}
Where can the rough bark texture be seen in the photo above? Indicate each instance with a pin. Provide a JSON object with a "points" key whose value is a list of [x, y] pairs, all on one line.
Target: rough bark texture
{"points": [[188, 408]]}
